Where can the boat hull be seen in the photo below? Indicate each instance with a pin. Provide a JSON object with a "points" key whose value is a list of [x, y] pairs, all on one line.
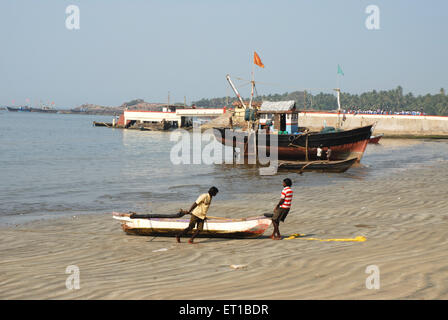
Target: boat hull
{"points": [[319, 166], [213, 228], [344, 145], [12, 109], [102, 124], [376, 139], [43, 110]]}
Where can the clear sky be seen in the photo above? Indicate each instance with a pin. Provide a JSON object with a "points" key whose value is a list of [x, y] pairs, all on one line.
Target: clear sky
{"points": [[127, 49]]}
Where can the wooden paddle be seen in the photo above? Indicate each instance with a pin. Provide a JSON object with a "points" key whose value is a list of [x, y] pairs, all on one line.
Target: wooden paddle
{"points": [[219, 218], [301, 169], [210, 217]]}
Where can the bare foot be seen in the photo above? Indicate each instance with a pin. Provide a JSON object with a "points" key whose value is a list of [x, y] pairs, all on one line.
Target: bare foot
{"points": [[272, 236], [278, 238]]}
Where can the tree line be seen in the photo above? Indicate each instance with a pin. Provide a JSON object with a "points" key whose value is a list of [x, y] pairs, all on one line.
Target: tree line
{"points": [[393, 100]]}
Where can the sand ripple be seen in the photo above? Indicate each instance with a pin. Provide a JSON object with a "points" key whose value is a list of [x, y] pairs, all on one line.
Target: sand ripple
{"points": [[403, 216]]}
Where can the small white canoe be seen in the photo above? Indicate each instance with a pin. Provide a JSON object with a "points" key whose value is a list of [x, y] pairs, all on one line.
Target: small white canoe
{"points": [[213, 227]]}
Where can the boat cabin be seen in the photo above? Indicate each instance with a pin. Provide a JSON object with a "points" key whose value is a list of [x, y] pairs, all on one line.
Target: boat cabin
{"points": [[279, 117]]}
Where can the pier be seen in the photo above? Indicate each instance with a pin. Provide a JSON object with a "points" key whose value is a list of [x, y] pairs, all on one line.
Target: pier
{"points": [[405, 126]]}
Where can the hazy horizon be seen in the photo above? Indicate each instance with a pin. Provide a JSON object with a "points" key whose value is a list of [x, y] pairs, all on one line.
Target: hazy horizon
{"points": [[143, 49]]}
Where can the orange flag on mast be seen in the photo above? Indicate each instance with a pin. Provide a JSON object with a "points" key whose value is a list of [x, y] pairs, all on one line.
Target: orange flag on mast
{"points": [[257, 60]]}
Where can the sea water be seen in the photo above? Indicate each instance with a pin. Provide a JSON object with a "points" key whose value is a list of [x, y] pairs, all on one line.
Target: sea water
{"points": [[59, 164]]}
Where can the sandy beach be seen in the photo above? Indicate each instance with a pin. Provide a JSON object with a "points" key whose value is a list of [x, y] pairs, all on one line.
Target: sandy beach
{"points": [[404, 218]]}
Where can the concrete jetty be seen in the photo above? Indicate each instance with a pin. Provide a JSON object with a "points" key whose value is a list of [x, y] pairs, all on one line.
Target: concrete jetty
{"points": [[408, 126]]}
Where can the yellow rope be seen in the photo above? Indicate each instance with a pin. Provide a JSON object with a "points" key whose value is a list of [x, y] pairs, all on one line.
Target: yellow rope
{"points": [[356, 239]]}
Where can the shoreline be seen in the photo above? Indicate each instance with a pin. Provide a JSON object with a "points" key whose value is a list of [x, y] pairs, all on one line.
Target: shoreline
{"points": [[16, 220]]}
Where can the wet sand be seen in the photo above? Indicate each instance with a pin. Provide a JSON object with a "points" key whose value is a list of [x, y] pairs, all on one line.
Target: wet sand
{"points": [[403, 216]]}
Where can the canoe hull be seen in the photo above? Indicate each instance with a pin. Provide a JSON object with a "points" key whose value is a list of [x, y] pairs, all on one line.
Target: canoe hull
{"points": [[213, 228], [319, 166]]}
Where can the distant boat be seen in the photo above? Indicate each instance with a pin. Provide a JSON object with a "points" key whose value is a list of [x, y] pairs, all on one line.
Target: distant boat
{"points": [[102, 124], [19, 109], [44, 109], [376, 139]]}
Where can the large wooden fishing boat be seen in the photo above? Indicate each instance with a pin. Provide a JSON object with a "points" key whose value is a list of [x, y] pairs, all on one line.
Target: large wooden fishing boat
{"points": [[302, 146], [161, 225], [279, 120]]}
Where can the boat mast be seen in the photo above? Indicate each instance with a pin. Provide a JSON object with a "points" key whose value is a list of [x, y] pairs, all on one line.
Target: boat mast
{"points": [[250, 130], [251, 92], [338, 92], [236, 91], [252, 83]]}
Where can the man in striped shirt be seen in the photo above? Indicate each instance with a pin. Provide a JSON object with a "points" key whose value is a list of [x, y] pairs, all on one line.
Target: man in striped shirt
{"points": [[281, 210]]}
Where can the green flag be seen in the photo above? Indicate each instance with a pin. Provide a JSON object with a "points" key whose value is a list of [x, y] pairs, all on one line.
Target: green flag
{"points": [[340, 70]]}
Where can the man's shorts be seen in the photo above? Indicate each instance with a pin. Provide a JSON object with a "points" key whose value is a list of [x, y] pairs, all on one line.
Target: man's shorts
{"points": [[195, 221], [280, 214]]}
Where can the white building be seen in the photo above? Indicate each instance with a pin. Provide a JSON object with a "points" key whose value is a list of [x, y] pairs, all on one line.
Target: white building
{"points": [[176, 117]]}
